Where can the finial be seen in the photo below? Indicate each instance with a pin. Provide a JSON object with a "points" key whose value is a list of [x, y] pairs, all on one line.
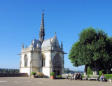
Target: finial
{"points": [[23, 46], [43, 10], [61, 45], [55, 34]]}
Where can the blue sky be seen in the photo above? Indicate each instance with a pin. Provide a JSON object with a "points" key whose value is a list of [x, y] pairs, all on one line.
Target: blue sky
{"points": [[20, 23]]}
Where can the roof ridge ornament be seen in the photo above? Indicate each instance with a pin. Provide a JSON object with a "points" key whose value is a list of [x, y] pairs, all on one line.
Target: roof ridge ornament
{"points": [[55, 35]]}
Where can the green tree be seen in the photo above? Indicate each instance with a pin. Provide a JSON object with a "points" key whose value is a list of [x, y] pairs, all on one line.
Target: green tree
{"points": [[93, 49]]}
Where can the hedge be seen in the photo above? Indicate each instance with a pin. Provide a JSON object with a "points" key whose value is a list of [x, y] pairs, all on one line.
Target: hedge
{"points": [[108, 76]]}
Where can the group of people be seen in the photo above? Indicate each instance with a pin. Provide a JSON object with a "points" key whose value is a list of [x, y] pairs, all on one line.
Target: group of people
{"points": [[76, 76]]}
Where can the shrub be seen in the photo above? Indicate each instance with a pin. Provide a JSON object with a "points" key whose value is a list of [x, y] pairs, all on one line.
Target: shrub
{"points": [[100, 73], [33, 73], [89, 71], [52, 73], [108, 76], [59, 76]]}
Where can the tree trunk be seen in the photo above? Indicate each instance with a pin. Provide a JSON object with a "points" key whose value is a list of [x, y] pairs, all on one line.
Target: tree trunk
{"points": [[85, 70], [96, 69]]}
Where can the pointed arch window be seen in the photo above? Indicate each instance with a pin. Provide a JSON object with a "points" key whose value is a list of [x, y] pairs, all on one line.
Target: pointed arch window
{"points": [[25, 61], [57, 61], [43, 61]]}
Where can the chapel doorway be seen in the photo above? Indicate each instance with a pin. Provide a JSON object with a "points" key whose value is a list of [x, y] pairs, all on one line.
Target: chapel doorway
{"points": [[57, 72], [57, 65]]}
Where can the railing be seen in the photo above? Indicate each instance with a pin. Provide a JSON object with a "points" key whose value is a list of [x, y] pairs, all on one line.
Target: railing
{"points": [[11, 73]]}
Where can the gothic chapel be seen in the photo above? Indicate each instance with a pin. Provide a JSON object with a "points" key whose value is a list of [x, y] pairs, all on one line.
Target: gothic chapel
{"points": [[42, 55]]}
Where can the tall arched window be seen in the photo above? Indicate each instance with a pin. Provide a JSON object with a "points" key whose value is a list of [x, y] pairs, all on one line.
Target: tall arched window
{"points": [[57, 64], [57, 61], [43, 61], [25, 61]]}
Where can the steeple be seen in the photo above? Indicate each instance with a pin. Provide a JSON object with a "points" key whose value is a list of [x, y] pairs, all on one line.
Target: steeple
{"points": [[42, 31]]}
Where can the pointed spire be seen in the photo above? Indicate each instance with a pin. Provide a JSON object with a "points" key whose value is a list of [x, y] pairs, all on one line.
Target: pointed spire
{"points": [[42, 21], [42, 31], [55, 40]]}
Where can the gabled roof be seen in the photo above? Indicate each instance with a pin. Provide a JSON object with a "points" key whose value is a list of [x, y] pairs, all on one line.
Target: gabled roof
{"points": [[50, 43]]}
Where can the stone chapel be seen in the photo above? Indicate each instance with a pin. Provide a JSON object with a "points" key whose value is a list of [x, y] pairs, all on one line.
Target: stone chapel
{"points": [[42, 55]]}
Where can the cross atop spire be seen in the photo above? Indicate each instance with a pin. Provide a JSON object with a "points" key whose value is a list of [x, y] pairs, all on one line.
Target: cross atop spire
{"points": [[42, 31]]}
